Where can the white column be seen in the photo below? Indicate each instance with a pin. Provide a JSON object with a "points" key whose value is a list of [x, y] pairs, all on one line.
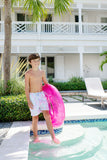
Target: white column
{"points": [[80, 49], [80, 18], [39, 50]]}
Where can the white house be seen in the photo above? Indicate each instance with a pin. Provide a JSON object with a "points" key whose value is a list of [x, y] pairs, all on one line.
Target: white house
{"points": [[69, 45]]}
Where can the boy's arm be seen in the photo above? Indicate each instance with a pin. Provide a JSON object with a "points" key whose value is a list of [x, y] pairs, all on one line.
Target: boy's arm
{"points": [[27, 90], [44, 77]]}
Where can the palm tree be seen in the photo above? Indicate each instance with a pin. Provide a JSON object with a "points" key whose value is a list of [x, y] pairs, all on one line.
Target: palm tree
{"points": [[104, 61], [38, 10], [7, 42]]}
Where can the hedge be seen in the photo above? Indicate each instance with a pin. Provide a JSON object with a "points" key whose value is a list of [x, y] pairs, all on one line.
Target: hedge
{"points": [[15, 108]]}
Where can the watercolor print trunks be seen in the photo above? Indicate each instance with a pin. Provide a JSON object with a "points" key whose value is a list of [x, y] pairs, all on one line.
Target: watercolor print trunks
{"points": [[39, 102]]}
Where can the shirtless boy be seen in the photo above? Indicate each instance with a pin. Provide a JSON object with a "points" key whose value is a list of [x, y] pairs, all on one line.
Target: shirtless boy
{"points": [[35, 97]]}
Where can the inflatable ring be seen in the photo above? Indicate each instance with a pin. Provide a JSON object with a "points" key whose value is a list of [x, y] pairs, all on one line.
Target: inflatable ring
{"points": [[56, 104]]}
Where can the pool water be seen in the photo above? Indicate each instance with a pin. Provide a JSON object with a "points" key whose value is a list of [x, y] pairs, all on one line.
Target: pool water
{"points": [[78, 142]]}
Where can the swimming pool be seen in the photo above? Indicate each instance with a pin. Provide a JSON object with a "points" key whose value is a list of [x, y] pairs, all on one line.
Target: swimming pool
{"points": [[80, 141]]}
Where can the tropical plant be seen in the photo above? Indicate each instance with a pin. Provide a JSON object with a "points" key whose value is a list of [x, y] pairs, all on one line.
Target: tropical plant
{"points": [[37, 8], [104, 61], [16, 83]]}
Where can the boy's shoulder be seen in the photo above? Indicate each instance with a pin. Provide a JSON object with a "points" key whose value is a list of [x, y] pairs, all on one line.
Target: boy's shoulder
{"points": [[42, 71], [28, 72]]}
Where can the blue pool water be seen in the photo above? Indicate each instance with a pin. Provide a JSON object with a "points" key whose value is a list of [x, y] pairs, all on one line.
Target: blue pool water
{"points": [[79, 142]]}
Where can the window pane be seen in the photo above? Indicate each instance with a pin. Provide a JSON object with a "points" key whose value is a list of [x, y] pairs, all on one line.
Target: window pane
{"points": [[0, 14], [20, 17], [43, 66], [104, 20], [29, 18], [50, 67]]}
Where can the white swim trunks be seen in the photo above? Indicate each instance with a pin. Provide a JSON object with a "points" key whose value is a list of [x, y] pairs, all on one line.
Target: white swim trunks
{"points": [[39, 102]]}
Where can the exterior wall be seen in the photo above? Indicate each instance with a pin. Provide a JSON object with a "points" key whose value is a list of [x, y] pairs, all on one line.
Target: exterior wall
{"points": [[71, 63], [65, 46], [91, 63], [94, 16], [63, 18], [88, 15], [59, 67]]}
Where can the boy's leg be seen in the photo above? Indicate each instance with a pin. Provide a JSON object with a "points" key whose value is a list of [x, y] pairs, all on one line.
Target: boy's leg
{"points": [[49, 126], [35, 127]]}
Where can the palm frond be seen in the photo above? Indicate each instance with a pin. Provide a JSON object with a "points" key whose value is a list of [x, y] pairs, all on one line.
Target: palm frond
{"points": [[104, 61], [36, 7], [17, 2], [62, 6], [102, 64], [104, 53]]}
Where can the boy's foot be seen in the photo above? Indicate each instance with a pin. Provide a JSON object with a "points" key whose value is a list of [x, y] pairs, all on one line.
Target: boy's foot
{"points": [[55, 140], [36, 140]]}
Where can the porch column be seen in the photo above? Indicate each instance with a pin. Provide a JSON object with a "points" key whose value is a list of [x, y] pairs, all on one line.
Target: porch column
{"points": [[80, 18], [39, 50], [81, 61]]}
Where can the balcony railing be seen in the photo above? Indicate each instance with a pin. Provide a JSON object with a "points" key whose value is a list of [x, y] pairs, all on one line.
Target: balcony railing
{"points": [[60, 28]]}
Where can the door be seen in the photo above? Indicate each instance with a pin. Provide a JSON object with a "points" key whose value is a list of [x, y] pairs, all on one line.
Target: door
{"points": [[48, 27], [77, 25]]}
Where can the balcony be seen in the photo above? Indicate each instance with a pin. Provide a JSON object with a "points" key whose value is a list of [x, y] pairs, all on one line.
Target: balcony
{"points": [[57, 28]]}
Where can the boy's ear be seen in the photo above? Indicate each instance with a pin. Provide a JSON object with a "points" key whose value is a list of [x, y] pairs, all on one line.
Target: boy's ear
{"points": [[29, 62]]}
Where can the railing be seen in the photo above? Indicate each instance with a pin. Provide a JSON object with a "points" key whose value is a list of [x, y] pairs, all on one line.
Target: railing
{"points": [[94, 28], [57, 28]]}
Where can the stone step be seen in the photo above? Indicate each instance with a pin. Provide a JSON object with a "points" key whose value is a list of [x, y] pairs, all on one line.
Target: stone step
{"points": [[42, 129], [102, 153], [85, 147]]}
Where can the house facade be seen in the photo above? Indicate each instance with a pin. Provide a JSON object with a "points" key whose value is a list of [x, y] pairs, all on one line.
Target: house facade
{"points": [[69, 45]]}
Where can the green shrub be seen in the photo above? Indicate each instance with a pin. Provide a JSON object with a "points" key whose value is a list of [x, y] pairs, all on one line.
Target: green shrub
{"points": [[50, 79], [104, 83], [15, 108], [15, 87], [76, 79], [73, 84]]}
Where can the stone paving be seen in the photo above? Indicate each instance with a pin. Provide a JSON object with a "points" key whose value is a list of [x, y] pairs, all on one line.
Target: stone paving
{"points": [[4, 128]]}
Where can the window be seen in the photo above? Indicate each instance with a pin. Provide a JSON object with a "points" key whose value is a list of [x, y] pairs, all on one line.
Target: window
{"points": [[47, 64], [50, 67], [43, 64], [77, 20], [104, 20], [0, 14], [48, 18], [23, 65], [48, 27], [24, 17], [20, 17]]}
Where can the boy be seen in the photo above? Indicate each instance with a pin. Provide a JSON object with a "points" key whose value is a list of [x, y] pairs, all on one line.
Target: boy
{"points": [[35, 97]]}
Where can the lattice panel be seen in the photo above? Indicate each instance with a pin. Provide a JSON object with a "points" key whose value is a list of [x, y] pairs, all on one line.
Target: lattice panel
{"points": [[95, 28], [59, 28], [21, 27]]}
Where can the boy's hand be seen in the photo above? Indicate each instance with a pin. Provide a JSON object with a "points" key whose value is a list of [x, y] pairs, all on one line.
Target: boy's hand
{"points": [[30, 105]]}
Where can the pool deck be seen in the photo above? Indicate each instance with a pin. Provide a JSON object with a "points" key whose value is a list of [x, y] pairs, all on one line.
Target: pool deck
{"points": [[14, 145]]}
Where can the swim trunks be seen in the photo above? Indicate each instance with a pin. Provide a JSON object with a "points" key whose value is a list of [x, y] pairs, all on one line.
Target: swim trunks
{"points": [[39, 102]]}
